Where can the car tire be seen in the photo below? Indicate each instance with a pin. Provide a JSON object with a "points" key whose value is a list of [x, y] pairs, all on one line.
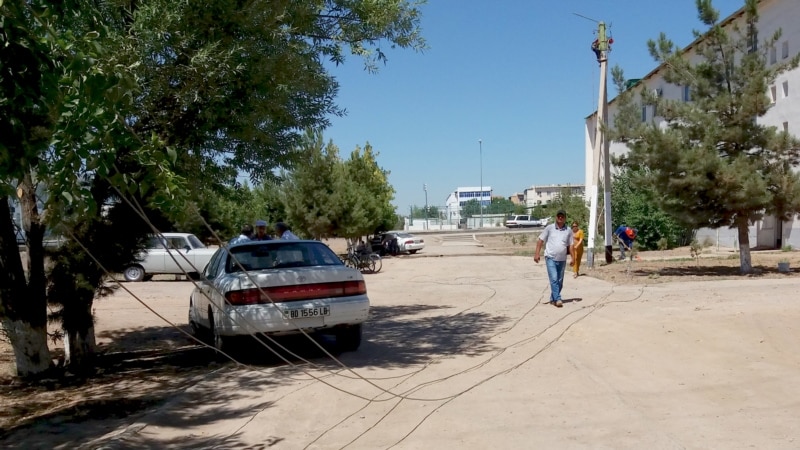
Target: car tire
{"points": [[218, 341], [197, 330], [134, 273], [348, 338], [413, 251]]}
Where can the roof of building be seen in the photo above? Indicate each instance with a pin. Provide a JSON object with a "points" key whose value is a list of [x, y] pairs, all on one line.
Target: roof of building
{"points": [[738, 13]]}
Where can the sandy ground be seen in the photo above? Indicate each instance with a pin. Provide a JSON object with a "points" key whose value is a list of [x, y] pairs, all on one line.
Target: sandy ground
{"points": [[460, 350]]}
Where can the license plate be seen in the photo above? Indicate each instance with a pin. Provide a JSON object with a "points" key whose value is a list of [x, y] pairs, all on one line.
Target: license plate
{"points": [[303, 313]]}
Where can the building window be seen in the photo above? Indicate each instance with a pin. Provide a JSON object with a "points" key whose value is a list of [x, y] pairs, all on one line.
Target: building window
{"points": [[785, 49], [785, 127], [687, 93], [644, 113], [753, 44], [773, 93], [785, 89], [773, 55]]}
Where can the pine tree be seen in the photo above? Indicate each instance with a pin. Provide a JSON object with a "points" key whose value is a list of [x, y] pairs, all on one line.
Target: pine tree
{"points": [[711, 162]]}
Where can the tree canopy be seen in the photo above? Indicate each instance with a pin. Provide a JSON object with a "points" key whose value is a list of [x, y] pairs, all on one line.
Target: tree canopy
{"points": [[154, 103], [711, 161], [328, 197]]}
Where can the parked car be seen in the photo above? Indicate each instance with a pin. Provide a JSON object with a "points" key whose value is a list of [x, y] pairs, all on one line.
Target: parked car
{"points": [[407, 242], [279, 287], [170, 253], [524, 221]]}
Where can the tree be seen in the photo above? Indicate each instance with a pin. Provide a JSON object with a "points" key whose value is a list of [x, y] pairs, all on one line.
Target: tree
{"points": [[418, 212], [634, 206], [328, 197], [366, 196], [500, 206], [471, 208], [310, 189], [574, 204], [151, 103], [711, 162]]}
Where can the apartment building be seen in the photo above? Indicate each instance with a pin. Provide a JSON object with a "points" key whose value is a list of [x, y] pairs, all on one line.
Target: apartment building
{"points": [[784, 114], [544, 194]]}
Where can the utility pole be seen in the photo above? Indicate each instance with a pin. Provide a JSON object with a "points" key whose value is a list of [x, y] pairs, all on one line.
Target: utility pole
{"points": [[601, 47], [425, 188], [480, 196]]}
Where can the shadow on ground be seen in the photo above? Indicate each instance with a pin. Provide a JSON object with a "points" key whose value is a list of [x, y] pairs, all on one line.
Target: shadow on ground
{"points": [[140, 370]]}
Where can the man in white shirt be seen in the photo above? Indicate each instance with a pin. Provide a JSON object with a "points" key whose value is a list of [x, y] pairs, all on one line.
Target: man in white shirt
{"points": [[557, 240], [247, 234], [283, 232]]}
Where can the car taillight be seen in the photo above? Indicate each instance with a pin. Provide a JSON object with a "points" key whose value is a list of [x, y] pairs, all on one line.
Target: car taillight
{"points": [[296, 292], [244, 297], [421, 241], [408, 242]]}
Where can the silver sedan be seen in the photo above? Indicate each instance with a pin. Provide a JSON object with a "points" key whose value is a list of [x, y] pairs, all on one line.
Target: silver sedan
{"points": [[277, 288]]}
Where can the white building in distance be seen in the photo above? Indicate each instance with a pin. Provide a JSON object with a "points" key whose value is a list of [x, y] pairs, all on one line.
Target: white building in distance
{"points": [[458, 198], [544, 194]]}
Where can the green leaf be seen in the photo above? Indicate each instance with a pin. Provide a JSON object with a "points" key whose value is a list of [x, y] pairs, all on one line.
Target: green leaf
{"points": [[173, 155]]}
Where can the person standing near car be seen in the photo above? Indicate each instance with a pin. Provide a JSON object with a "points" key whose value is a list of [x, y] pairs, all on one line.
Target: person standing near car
{"points": [[557, 240], [284, 233], [261, 231], [577, 245], [247, 234]]}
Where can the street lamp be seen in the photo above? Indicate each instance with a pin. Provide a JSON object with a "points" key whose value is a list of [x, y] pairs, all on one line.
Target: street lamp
{"points": [[480, 195], [425, 188]]}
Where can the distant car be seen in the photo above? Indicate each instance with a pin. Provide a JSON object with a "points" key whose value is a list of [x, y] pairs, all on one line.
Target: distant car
{"points": [[279, 287], [524, 221], [174, 253], [407, 242]]}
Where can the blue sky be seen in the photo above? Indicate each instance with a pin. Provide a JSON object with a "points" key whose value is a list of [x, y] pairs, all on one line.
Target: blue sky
{"points": [[517, 74]]}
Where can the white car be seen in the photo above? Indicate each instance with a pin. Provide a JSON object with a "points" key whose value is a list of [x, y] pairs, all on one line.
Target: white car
{"points": [[170, 253], [407, 242], [278, 288]]}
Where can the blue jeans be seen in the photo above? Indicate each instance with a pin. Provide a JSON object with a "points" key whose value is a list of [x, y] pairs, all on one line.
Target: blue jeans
{"points": [[555, 272]]}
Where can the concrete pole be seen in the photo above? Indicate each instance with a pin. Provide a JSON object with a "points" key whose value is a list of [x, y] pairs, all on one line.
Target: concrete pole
{"points": [[601, 147], [480, 195]]}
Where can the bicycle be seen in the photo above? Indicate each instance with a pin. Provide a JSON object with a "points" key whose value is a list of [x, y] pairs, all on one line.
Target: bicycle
{"points": [[363, 260]]}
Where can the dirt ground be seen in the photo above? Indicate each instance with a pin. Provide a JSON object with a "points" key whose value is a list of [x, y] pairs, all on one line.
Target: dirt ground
{"points": [[662, 351], [662, 266]]}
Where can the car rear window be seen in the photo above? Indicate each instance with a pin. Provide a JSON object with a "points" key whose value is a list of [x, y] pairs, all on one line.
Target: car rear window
{"points": [[279, 255]]}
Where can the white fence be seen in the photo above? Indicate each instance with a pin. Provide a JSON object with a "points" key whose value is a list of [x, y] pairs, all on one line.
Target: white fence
{"points": [[472, 223]]}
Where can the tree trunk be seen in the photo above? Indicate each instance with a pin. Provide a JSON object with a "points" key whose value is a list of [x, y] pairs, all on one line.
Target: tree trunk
{"points": [[745, 263], [79, 349], [30, 347], [23, 309]]}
